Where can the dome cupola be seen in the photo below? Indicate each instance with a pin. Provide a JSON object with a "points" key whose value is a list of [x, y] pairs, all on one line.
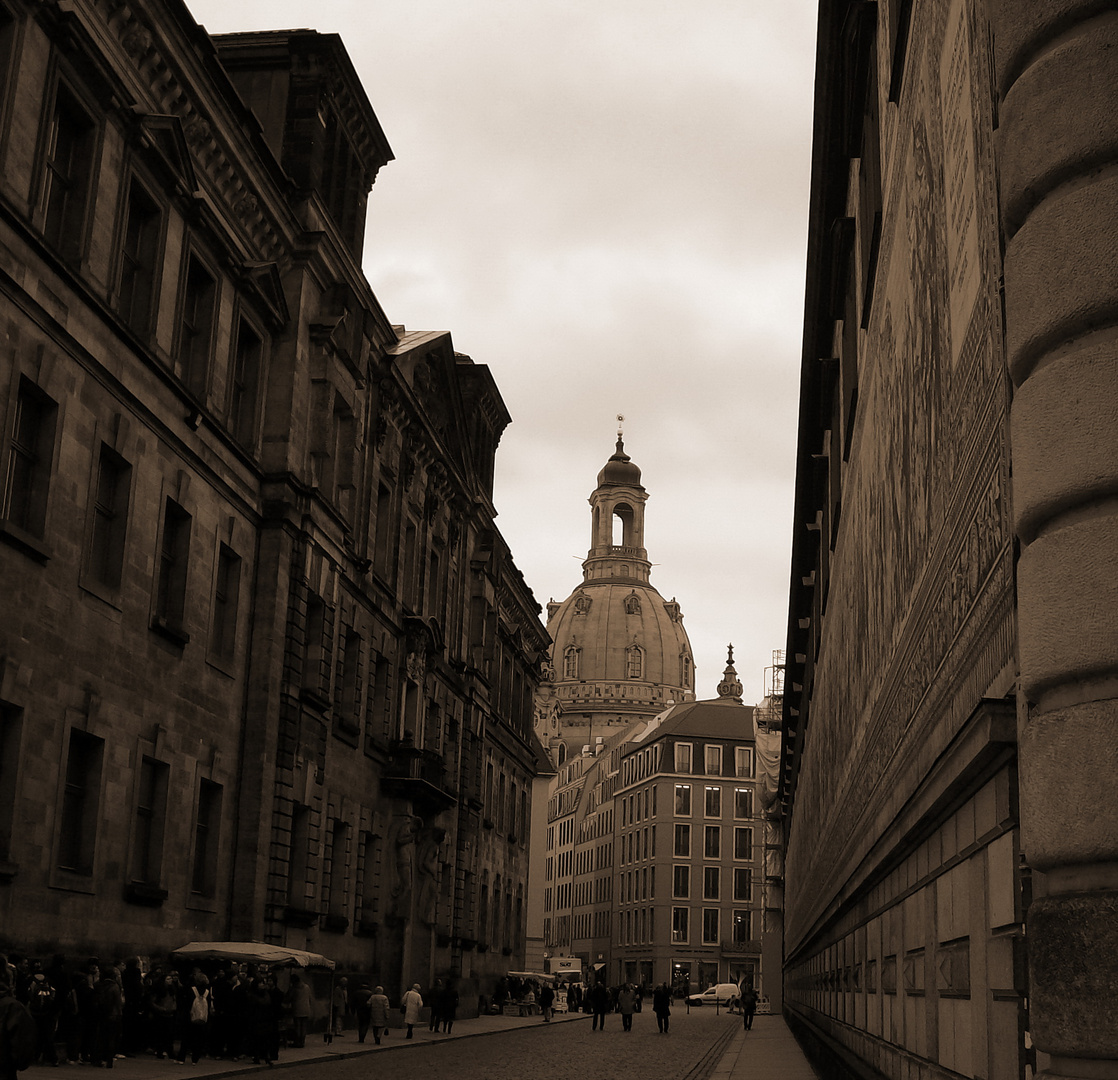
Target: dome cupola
{"points": [[620, 469]]}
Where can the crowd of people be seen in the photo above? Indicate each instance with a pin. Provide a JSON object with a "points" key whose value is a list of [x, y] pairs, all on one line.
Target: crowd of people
{"points": [[97, 1013]]}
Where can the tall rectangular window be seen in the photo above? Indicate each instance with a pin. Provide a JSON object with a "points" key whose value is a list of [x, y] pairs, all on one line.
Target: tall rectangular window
{"points": [[227, 586], [30, 457], [712, 804], [682, 757], [207, 833], [151, 807], [712, 882], [349, 682], [174, 557], [743, 803], [66, 179], [713, 760], [196, 324], [683, 841], [712, 842], [743, 842], [743, 884], [680, 925], [110, 518], [81, 795], [710, 926], [382, 549], [743, 762], [335, 869], [244, 383], [742, 925], [11, 724], [139, 251], [683, 800]]}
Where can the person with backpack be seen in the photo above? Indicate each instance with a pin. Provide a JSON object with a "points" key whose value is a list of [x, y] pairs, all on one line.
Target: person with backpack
{"points": [[19, 1035], [108, 999], [198, 1028], [42, 1003]]}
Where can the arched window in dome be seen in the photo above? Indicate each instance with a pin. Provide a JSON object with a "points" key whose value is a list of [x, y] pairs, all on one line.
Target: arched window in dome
{"points": [[634, 662], [622, 525], [582, 605], [632, 604], [684, 670], [570, 661]]}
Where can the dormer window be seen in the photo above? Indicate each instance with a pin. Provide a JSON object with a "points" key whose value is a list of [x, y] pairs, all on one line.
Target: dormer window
{"points": [[582, 605], [632, 604]]}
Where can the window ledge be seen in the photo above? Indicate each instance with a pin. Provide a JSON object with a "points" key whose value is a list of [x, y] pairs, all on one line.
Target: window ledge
{"points": [[25, 542], [145, 894], [171, 631]]}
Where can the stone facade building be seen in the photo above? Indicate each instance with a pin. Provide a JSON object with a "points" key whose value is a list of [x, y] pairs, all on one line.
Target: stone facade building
{"points": [[266, 665], [949, 720]]}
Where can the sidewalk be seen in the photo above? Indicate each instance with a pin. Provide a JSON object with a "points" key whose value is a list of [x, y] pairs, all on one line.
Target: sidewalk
{"points": [[146, 1067], [767, 1052]]}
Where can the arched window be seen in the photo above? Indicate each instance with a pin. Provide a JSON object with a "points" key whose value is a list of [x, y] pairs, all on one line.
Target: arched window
{"points": [[570, 662], [685, 670], [632, 604], [634, 662], [582, 605]]}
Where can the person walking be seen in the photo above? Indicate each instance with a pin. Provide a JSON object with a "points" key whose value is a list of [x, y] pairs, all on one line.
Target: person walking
{"points": [[259, 1004], [299, 998], [435, 999], [662, 1007], [378, 1014], [748, 1006], [627, 1005], [359, 1002], [449, 1008], [599, 1005], [339, 1006], [547, 1000], [109, 1010], [412, 1003]]}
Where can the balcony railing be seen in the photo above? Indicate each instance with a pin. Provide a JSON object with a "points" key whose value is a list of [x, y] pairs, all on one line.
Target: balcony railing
{"points": [[419, 775]]}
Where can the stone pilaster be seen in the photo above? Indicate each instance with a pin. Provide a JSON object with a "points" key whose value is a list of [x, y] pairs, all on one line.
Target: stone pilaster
{"points": [[1057, 67]]}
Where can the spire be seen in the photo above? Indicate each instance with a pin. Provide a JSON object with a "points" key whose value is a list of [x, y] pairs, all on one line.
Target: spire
{"points": [[730, 686]]}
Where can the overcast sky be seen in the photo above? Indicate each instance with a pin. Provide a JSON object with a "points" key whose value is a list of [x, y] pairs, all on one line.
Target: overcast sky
{"points": [[605, 201]]}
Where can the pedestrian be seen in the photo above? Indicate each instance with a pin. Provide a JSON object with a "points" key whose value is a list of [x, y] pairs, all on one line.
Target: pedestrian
{"points": [[339, 1006], [449, 1008], [547, 999], [259, 1005], [197, 1030], [42, 1003], [410, 1006], [748, 1006], [599, 1005], [662, 1007], [627, 1005], [19, 1034], [109, 1011], [359, 1002], [164, 1002], [378, 1014], [299, 999], [87, 1011], [435, 998], [133, 1038]]}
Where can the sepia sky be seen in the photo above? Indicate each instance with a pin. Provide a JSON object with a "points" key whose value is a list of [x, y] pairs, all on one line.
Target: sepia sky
{"points": [[605, 201]]}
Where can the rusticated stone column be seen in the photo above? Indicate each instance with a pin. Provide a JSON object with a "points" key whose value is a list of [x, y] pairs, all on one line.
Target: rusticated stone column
{"points": [[1057, 66]]}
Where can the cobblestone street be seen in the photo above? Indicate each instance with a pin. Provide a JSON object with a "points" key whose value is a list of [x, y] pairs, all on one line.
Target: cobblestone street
{"points": [[565, 1051]]}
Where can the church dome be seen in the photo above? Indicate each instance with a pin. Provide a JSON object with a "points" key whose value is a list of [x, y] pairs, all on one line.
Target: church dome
{"points": [[620, 469]]}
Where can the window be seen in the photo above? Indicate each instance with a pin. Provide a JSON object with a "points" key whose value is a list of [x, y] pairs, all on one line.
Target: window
{"points": [[634, 662], [742, 926], [743, 803], [298, 864], [683, 841], [151, 807], [11, 724], [382, 549], [66, 179], [712, 756], [683, 757], [570, 662], [632, 604], [335, 868], [30, 456], [712, 842], [743, 884], [710, 926], [743, 842], [196, 325], [712, 802], [680, 928], [80, 798], [207, 826], [138, 254], [712, 883], [174, 554], [223, 638], [683, 800], [743, 762], [110, 518], [349, 683], [244, 383]]}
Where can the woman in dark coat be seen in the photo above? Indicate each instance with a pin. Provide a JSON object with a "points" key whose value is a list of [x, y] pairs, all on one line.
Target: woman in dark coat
{"points": [[259, 1003], [662, 1006]]}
